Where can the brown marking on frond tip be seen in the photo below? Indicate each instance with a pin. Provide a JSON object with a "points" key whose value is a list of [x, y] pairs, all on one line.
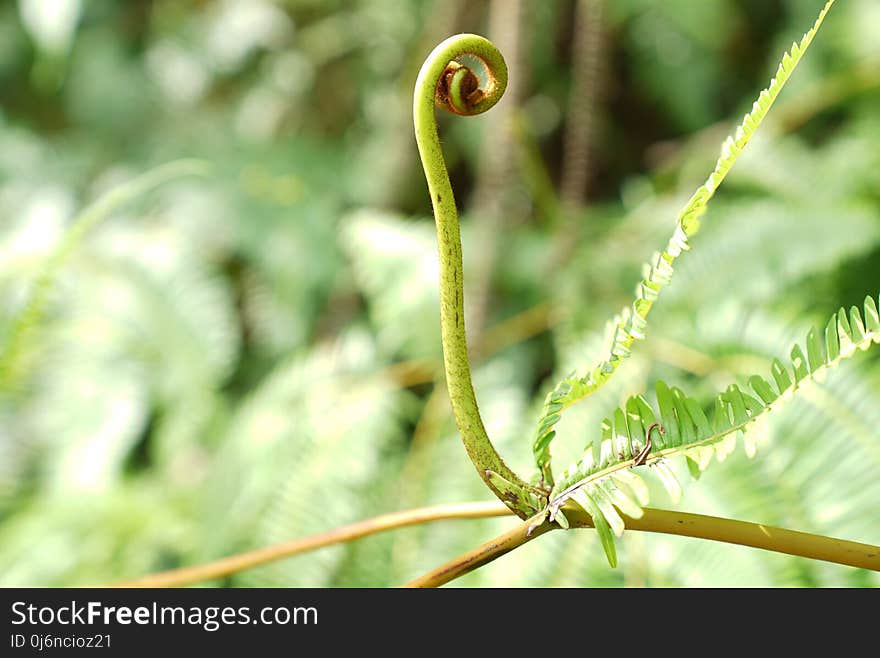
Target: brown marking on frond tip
{"points": [[475, 96], [470, 89], [442, 91], [441, 94]]}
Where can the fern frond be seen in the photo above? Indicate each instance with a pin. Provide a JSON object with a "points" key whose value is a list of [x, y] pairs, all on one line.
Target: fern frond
{"points": [[631, 323], [34, 308], [602, 482]]}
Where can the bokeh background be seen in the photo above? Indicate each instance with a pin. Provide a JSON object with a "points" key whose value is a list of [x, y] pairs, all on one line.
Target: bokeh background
{"points": [[237, 359]]}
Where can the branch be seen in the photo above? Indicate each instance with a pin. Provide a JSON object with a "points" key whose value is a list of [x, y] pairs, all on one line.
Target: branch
{"points": [[484, 553], [234, 563], [731, 531], [588, 53]]}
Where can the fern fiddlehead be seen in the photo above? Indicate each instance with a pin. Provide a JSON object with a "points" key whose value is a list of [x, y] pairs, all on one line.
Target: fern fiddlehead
{"points": [[465, 75]]}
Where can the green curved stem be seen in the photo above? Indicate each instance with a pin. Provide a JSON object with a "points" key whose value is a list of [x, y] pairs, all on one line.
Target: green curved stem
{"points": [[465, 75]]}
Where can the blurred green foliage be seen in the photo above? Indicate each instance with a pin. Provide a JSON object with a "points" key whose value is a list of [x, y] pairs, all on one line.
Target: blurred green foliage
{"points": [[238, 360]]}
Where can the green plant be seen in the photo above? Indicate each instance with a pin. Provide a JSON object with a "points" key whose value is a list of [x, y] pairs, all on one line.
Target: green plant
{"points": [[602, 483]]}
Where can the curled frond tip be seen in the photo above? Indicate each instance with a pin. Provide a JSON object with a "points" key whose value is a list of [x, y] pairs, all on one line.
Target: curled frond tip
{"points": [[470, 74]]}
